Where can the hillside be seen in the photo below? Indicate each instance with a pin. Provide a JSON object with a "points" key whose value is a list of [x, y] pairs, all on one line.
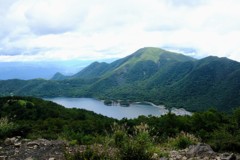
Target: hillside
{"points": [[149, 74], [32, 127], [34, 117], [209, 82]]}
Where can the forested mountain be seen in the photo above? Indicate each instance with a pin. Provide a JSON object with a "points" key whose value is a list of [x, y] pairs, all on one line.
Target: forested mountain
{"points": [[149, 74], [150, 59]]}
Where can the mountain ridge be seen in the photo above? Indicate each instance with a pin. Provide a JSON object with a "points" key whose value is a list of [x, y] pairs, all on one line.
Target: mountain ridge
{"points": [[168, 78], [144, 54]]}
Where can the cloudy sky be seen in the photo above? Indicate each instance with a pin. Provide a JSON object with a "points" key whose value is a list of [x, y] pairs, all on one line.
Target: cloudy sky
{"points": [[34, 30]]}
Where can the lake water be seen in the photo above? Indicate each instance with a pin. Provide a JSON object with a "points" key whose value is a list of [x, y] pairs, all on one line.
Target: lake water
{"points": [[116, 111]]}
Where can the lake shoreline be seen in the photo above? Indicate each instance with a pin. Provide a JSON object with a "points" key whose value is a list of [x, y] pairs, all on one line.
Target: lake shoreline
{"points": [[177, 111], [134, 109]]}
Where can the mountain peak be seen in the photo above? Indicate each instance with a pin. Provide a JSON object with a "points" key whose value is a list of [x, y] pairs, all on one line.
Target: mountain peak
{"points": [[150, 48], [149, 53], [58, 76], [144, 56], [154, 54]]}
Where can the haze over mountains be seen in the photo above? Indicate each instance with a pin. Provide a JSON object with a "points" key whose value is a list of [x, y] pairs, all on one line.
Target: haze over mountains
{"points": [[40, 69], [149, 74]]}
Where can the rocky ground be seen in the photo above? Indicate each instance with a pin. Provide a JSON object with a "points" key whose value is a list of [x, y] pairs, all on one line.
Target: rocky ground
{"points": [[23, 149], [200, 152]]}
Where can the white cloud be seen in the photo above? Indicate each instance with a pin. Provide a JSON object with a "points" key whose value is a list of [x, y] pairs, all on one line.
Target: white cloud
{"points": [[55, 16], [94, 29]]}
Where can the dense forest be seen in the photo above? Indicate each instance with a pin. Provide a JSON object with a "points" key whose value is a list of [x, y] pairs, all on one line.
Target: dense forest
{"points": [[35, 118]]}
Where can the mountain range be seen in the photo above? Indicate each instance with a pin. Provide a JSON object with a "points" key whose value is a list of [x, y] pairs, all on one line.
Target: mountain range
{"points": [[149, 74], [27, 70]]}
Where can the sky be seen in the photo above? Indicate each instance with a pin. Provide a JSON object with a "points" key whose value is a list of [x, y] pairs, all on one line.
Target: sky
{"points": [[59, 30]]}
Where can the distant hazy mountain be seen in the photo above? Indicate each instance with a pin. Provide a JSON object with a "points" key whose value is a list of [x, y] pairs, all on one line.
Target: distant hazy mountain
{"points": [[149, 74], [11, 70], [32, 70]]}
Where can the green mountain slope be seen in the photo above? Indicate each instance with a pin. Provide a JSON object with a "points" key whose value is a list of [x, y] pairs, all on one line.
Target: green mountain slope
{"points": [[149, 74], [139, 66], [134, 62], [212, 82], [94, 70]]}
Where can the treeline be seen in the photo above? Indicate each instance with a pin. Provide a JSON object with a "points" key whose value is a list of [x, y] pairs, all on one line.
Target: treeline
{"points": [[35, 118]]}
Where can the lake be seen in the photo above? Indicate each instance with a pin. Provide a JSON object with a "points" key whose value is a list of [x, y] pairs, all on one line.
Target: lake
{"points": [[116, 111]]}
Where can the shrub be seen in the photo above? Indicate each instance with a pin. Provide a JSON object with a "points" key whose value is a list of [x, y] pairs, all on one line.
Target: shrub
{"points": [[222, 140], [7, 128], [137, 146], [73, 142], [93, 152], [89, 154], [182, 140], [119, 138]]}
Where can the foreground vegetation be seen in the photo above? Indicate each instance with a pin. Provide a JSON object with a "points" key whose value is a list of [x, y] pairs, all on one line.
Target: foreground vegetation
{"points": [[129, 139]]}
